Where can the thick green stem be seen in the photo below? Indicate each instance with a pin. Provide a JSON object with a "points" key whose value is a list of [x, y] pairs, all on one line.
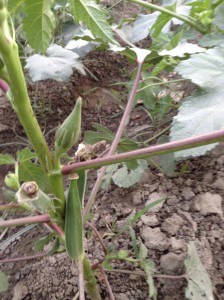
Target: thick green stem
{"points": [[185, 19], [90, 280], [20, 98], [22, 106]]}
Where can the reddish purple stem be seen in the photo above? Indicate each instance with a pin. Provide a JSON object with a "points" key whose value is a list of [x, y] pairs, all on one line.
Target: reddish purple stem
{"points": [[4, 86], [196, 141], [26, 220]]}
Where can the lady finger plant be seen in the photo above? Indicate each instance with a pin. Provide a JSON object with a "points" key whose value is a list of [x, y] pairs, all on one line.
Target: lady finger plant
{"points": [[67, 215]]}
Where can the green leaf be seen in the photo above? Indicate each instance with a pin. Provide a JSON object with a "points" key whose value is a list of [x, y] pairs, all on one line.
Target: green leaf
{"points": [[143, 251], [32, 172], [14, 6], [24, 155], [6, 159], [166, 161], [103, 133], [127, 144], [149, 268], [57, 64], [161, 21], [106, 183], [199, 285], [122, 254], [12, 181], [137, 216], [39, 245], [194, 68], [3, 282], [134, 240], [175, 40], [219, 15], [126, 178], [93, 16], [182, 49], [212, 39], [39, 23], [198, 115]]}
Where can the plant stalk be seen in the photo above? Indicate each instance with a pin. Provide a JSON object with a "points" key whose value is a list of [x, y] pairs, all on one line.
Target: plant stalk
{"points": [[21, 104], [24, 258], [81, 281], [26, 220], [197, 141], [116, 141], [185, 19], [90, 280]]}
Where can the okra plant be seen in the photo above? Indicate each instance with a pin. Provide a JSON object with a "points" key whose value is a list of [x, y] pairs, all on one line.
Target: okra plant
{"points": [[66, 213]]}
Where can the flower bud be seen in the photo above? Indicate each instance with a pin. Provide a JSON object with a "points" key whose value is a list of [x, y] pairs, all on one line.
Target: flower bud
{"points": [[68, 133]]}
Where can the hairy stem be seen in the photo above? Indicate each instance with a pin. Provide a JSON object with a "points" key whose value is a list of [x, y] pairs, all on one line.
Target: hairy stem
{"points": [[185, 19], [116, 141], [107, 283], [197, 141], [90, 280], [21, 104]]}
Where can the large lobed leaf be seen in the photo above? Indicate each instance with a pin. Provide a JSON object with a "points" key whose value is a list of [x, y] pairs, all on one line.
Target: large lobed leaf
{"points": [[39, 23], [57, 64], [198, 115], [204, 69], [93, 16], [203, 112], [15, 6]]}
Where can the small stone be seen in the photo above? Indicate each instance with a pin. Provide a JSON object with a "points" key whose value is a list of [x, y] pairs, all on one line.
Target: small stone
{"points": [[136, 198], [171, 225], [188, 217], [20, 291], [150, 220], [172, 200], [73, 280], [172, 263], [208, 177], [154, 238], [153, 197], [187, 193], [52, 260], [177, 245], [208, 203], [74, 271], [220, 160], [122, 296], [218, 184], [55, 282]]}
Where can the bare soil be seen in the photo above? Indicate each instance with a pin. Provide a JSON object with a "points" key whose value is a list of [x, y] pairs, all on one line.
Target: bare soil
{"points": [[193, 210]]}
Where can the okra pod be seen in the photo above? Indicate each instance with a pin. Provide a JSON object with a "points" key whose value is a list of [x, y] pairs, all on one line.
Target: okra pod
{"points": [[73, 223]]}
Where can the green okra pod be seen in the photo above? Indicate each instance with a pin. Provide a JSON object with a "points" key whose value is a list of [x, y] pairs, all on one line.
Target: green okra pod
{"points": [[73, 223], [68, 132]]}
